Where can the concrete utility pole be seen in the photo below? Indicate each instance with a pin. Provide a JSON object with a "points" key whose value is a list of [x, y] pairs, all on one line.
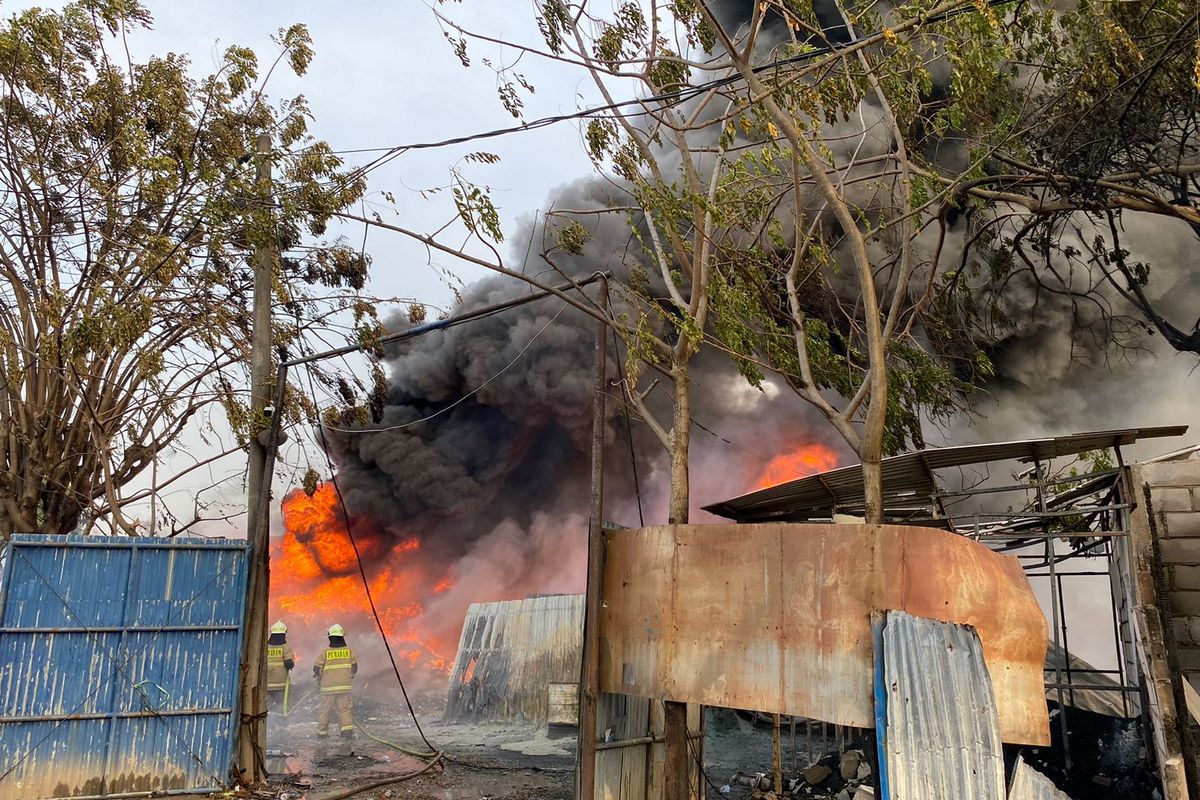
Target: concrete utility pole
{"points": [[253, 727], [589, 687]]}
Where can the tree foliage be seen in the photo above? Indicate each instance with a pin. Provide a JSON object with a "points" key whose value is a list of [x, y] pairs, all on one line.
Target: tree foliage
{"points": [[783, 183], [816, 188], [1109, 138], [128, 212]]}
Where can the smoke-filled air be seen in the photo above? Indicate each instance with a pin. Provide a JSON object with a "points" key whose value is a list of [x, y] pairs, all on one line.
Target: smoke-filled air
{"points": [[473, 486]]}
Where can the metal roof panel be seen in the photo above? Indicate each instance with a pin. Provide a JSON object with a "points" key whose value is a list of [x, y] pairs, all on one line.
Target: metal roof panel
{"points": [[1029, 784], [910, 473], [943, 727]]}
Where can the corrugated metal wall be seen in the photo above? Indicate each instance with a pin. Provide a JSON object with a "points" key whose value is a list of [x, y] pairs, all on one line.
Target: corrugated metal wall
{"points": [[118, 664], [510, 652], [943, 731]]}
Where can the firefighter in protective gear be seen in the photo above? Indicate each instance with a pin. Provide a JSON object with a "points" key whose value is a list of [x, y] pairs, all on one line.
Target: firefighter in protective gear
{"points": [[280, 661], [335, 668]]}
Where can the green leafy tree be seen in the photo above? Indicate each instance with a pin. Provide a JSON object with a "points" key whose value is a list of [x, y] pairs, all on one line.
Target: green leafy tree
{"points": [[761, 233], [128, 214], [1111, 139], [833, 275]]}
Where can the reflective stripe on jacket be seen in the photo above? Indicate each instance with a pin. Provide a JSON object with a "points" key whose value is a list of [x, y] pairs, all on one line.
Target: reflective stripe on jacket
{"points": [[336, 668], [277, 673]]}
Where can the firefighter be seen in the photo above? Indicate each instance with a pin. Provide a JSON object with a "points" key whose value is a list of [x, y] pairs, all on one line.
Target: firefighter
{"points": [[280, 661], [336, 668]]}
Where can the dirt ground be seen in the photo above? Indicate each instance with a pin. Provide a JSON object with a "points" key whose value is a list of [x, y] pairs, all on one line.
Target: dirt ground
{"points": [[484, 761], [492, 762]]}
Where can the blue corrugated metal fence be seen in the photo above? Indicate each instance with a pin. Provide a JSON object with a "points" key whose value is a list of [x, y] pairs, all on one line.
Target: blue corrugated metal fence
{"points": [[118, 664]]}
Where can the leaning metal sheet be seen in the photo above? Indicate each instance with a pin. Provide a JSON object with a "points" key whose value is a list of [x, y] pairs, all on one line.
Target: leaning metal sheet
{"points": [[776, 617], [942, 737], [1029, 784]]}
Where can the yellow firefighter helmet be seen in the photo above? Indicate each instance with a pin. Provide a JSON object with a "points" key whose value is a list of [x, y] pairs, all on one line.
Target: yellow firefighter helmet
{"points": [[279, 627], [337, 630]]}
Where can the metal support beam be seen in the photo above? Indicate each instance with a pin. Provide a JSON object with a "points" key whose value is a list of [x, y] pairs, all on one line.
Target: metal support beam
{"points": [[1056, 615]]}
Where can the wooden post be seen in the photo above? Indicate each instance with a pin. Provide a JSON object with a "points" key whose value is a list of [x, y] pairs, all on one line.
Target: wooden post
{"points": [[778, 756], [589, 687], [795, 756], [675, 733], [252, 728]]}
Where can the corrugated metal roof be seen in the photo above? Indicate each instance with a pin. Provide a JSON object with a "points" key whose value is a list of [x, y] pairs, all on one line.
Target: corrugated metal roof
{"points": [[1029, 784], [509, 654], [118, 664], [909, 476], [943, 730]]}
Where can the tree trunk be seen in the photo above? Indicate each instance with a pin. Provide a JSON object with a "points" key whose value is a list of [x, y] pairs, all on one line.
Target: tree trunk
{"points": [[681, 432], [872, 476], [675, 728], [871, 451]]}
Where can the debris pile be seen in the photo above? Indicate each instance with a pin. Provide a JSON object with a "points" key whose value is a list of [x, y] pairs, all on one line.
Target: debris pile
{"points": [[844, 776]]}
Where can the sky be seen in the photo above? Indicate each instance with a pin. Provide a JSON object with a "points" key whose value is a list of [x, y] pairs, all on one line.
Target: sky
{"points": [[384, 75]]}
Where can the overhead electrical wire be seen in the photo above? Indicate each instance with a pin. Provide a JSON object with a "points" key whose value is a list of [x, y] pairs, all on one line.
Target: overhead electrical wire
{"points": [[673, 97]]}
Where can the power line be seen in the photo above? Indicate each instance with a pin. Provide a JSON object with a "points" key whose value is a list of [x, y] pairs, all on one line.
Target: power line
{"points": [[671, 98]]}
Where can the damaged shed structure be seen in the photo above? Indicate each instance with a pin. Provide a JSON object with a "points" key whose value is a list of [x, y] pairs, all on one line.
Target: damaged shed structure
{"points": [[717, 614], [772, 612], [510, 654], [1129, 533]]}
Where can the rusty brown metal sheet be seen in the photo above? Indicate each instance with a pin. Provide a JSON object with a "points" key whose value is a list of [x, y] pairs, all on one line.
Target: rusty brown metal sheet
{"points": [[776, 617]]}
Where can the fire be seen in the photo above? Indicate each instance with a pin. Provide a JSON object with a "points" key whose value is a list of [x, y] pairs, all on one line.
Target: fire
{"points": [[315, 580], [799, 462]]}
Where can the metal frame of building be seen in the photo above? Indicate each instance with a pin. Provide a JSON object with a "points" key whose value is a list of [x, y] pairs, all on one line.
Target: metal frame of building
{"points": [[1061, 523]]}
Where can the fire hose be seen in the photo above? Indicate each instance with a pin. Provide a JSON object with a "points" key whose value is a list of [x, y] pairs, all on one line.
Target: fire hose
{"points": [[287, 709], [440, 754], [401, 748], [437, 758]]}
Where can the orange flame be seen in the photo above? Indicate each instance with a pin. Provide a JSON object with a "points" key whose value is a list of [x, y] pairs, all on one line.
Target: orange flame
{"points": [[799, 462], [315, 580]]}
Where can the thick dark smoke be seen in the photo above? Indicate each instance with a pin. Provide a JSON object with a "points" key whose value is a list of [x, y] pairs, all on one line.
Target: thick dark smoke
{"points": [[491, 420], [482, 451]]}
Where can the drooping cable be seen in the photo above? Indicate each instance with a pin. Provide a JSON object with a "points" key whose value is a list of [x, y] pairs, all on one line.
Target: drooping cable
{"points": [[637, 485]]}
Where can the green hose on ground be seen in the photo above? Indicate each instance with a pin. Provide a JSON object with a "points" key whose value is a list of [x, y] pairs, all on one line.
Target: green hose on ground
{"points": [[437, 758], [394, 746], [299, 702]]}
